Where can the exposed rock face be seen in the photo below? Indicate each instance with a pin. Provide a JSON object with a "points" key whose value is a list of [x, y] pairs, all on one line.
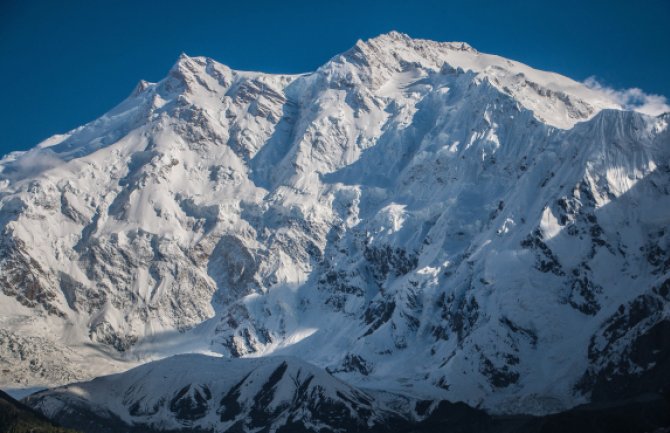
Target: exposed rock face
{"points": [[34, 359], [500, 229]]}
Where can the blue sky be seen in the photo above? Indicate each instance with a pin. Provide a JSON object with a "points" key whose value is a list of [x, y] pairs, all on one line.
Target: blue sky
{"points": [[64, 63]]}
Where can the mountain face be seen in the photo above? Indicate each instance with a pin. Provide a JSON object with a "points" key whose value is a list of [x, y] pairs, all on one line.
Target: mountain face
{"points": [[414, 217]]}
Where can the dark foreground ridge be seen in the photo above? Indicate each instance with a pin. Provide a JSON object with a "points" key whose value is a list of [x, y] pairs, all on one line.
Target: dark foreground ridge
{"points": [[649, 413], [16, 417]]}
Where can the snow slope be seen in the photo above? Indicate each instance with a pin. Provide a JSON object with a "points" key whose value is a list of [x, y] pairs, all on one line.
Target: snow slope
{"points": [[414, 216]]}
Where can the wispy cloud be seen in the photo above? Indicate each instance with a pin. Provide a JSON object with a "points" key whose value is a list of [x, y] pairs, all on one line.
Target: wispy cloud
{"points": [[633, 98], [30, 163]]}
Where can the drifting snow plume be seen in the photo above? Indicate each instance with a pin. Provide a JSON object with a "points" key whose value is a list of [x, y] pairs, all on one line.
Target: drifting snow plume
{"points": [[632, 99], [29, 164]]}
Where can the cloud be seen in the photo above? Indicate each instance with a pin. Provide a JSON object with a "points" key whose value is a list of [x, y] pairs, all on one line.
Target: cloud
{"points": [[632, 99], [21, 165]]}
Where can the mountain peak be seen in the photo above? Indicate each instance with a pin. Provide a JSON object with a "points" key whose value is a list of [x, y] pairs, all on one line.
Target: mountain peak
{"points": [[394, 47], [380, 61], [186, 63], [141, 86], [394, 38]]}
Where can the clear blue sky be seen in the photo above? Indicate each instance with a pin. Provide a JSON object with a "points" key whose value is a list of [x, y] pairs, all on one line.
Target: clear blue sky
{"points": [[64, 63]]}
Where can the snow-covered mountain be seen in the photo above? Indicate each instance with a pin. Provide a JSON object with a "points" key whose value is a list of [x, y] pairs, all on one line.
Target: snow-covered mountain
{"points": [[415, 217], [206, 393]]}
